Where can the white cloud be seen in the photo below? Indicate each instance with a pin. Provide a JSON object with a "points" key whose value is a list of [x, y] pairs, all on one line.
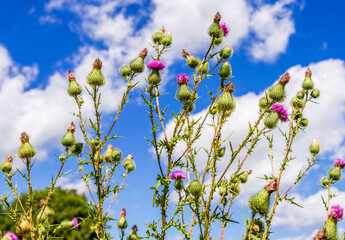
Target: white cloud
{"points": [[66, 182], [272, 26], [49, 20]]}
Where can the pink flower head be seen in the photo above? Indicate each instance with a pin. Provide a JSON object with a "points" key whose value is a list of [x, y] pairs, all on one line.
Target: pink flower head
{"points": [[281, 110], [336, 213], [75, 223], [156, 64], [178, 175], [339, 163], [182, 79], [10, 235], [225, 28], [70, 75]]}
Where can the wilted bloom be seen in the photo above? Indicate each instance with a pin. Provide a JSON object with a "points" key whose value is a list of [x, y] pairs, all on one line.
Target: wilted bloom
{"points": [[336, 213], [182, 79], [178, 174], [75, 223], [339, 163], [281, 110], [10, 236], [225, 28], [156, 64]]}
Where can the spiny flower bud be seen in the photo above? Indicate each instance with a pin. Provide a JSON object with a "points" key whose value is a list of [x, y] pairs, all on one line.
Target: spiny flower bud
{"points": [[223, 191], [116, 155], [225, 71], [125, 71], [304, 122], [96, 78], [264, 102], [257, 227], [6, 166], [80, 101], [26, 150], [167, 40], [244, 176], [226, 102], [77, 148], [74, 89], [300, 94], [184, 93], [260, 202], [98, 158], [157, 37], [321, 235], [315, 93], [277, 92], [221, 152], [108, 152], [214, 30], [314, 147], [335, 214], [235, 189], [129, 164], [325, 181], [24, 226], [68, 139], [203, 67], [195, 188], [335, 172], [133, 235], [271, 120], [297, 103], [122, 223], [226, 52], [47, 212], [178, 176], [68, 224], [218, 41], [137, 65], [192, 61], [307, 83], [154, 78]]}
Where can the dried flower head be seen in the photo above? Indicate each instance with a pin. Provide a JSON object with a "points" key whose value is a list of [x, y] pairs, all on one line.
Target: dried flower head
{"points": [[284, 79], [308, 73], [229, 87], [336, 212], [217, 17], [271, 186], [10, 235], [182, 79], [156, 64], [178, 175], [225, 28], [185, 53], [321, 235], [123, 212], [281, 110], [71, 128], [24, 137], [75, 223], [97, 63], [143, 53], [71, 76], [339, 163]]}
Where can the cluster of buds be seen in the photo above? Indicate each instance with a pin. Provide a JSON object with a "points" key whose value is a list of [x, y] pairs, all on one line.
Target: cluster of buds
{"points": [[218, 30], [334, 174], [160, 37]]}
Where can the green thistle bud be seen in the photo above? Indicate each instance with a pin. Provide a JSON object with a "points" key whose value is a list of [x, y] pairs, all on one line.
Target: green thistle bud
{"points": [[184, 93], [74, 89], [203, 67], [66, 224], [97, 158], [331, 229], [116, 155], [264, 102], [304, 122], [69, 140], [277, 92], [244, 176], [125, 71], [271, 120], [137, 65], [62, 157], [188, 130], [335, 173], [122, 223], [223, 191], [6, 166], [260, 202], [26, 150], [24, 226], [178, 184], [213, 110], [133, 235], [218, 41], [226, 52], [226, 102], [315, 93], [80, 101], [42, 230], [154, 78], [314, 147], [77, 148], [235, 189], [225, 71], [107, 154], [297, 103], [96, 78], [188, 106], [47, 212], [167, 39], [195, 188], [325, 181], [157, 37], [221, 152], [297, 114], [258, 227], [214, 30], [192, 61], [129, 164], [300, 94], [307, 83]]}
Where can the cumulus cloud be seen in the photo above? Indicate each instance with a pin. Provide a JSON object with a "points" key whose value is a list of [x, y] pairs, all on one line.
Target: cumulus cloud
{"points": [[68, 182]]}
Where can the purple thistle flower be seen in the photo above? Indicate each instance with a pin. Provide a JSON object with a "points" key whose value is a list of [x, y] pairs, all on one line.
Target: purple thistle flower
{"points": [[178, 175], [225, 28], [281, 110], [156, 64], [10, 235], [75, 223], [339, 163], [336, 213], [182, 79]]}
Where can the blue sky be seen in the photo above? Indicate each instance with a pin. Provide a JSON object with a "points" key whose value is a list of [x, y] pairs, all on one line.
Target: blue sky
{"points": [[40, 41]]}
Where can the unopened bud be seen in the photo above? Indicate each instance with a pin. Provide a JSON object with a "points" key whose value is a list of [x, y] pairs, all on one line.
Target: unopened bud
{"points": [[314, 147]]}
